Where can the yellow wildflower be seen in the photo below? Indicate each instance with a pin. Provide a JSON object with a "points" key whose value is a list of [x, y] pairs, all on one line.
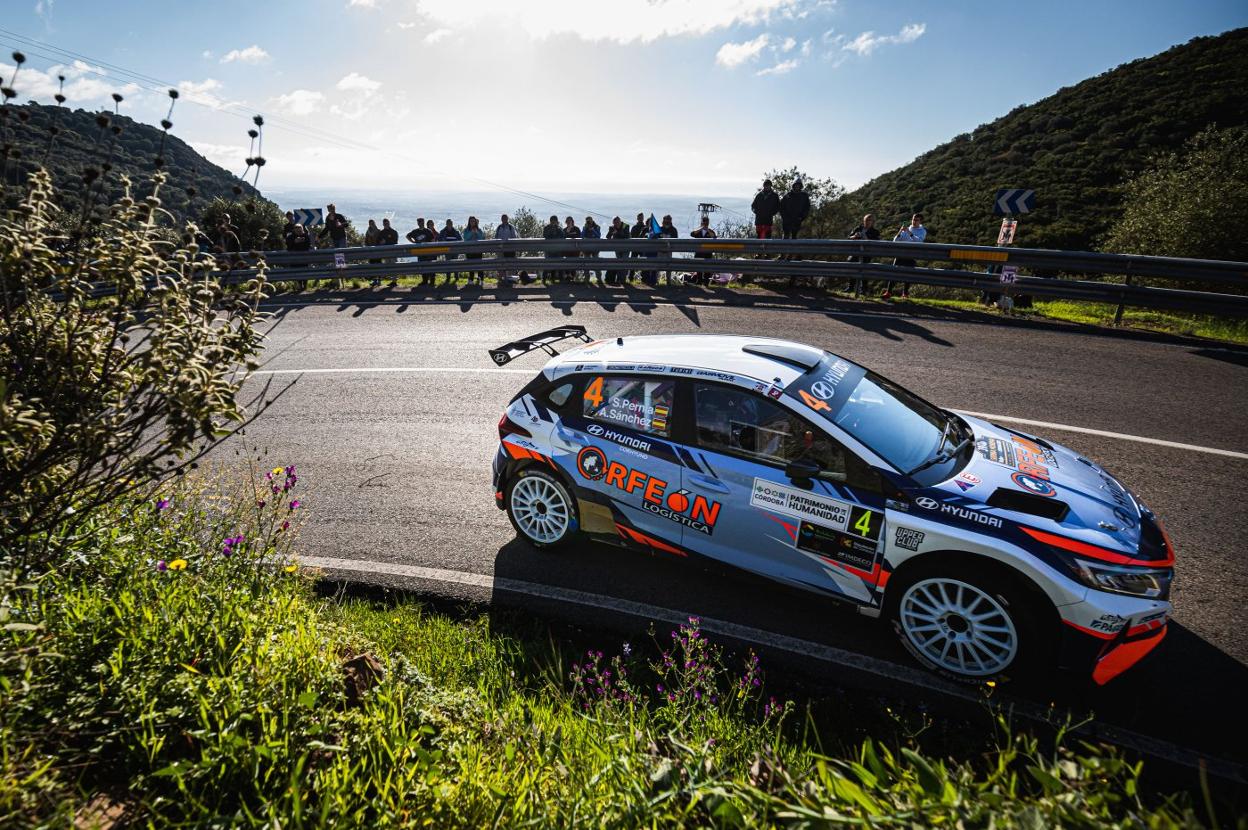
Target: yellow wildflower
{"points": [[291, 568], [277, 471], [177, 565]]}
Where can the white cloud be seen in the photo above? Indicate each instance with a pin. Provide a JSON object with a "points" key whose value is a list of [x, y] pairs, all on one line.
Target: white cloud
{"points": [[43, 8], [207, 54], [436, 35], [732, 55], [779, 69], [202, 92], [788, 45], [300, 102], [623, 21], [362, 4], [223, 155], [355, 82], [806, 48], [868, 42], [252, 54], [405, 26]]}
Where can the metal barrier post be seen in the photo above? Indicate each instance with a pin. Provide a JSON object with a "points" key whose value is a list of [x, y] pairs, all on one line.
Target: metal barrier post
{"points": [[1119, 310]]}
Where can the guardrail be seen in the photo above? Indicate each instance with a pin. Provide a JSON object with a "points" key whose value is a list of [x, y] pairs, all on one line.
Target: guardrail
{"points": [[749, 257]]}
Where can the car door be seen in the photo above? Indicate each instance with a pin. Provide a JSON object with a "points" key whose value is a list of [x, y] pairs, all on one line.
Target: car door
{"points": [[620, 453], [823, 532]]}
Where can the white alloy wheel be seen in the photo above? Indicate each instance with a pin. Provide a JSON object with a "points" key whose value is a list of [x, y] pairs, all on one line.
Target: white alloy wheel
{"points": [[540, 509], [958, 627]]}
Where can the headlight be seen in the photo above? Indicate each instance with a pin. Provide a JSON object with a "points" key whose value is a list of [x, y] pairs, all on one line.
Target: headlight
{"points": [[1136, 582]]}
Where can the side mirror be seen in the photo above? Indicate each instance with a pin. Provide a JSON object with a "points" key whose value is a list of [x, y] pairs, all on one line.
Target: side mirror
{"points": [[802, 470]]}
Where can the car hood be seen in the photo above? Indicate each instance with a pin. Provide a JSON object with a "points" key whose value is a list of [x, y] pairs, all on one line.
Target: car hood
{"points": [[1028, 480]]}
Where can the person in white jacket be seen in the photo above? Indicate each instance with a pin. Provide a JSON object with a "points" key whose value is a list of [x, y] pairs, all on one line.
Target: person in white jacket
{"points": [[915, 233]]}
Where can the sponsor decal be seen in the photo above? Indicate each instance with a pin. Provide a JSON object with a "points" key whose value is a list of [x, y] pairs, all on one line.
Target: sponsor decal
{"points": [[683, 507], [650, 367], [958, 511], [623, 439], [1108, 622], [909, 538], [622, 367], [893, 504], [709, 373], [996, 451], [591, 462], [826, 512], [680, 370], [833, 544], [775, 392], [588, 367], [1021, 454], [1031, 484], [823, 388]]}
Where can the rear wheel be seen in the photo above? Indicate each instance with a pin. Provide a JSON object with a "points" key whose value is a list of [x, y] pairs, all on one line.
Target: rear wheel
{"points": [[970, 627], [540, 508]]}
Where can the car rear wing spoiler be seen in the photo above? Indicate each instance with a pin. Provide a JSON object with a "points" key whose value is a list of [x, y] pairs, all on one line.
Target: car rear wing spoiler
{"points": [[542, 340]]}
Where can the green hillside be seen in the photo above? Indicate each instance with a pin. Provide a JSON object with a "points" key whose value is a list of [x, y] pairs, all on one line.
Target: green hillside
{"points": [[1075, 148], [80, 144]]}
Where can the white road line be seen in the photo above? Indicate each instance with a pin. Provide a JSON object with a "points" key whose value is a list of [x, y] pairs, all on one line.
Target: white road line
{"points": [[367, 571], [1102, 433], [492, 370]]}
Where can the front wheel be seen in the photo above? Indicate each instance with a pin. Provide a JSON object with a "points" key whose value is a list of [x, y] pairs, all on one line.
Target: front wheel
{"points": [[967, 628], [540, 508]]}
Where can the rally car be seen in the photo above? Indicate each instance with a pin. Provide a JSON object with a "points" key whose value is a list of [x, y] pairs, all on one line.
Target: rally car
{"points": [[990, 550]]}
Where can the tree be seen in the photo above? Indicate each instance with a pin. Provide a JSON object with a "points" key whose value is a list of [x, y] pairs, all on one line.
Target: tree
{"points": [[526, 223], [258, 222], [1189, 203], [824, 221], [123, 357]]}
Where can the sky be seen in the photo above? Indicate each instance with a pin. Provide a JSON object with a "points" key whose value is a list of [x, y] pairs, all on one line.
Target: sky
{"points": [[623, 96]]}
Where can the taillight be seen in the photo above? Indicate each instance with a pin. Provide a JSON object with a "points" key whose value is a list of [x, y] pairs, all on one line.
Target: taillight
{"points": [[506, 427]]}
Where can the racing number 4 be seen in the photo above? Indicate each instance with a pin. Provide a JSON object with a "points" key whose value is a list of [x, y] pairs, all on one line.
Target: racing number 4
{"points": [[593, 392], [863, 525], [807, 398]]}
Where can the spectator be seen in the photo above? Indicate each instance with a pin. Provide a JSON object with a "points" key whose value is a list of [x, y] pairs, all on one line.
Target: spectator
{"points": [[794, 208], [299, 239], [552, 230], [226, 243], [867, 232], [703, 231], [335, 227], [668, 231], [915, 233], [592, 230], [653, 231], [421, 235], [766, 205], [473, 233], [449, 234], [506, 232], [288, 228], [388, 236], [570, 231], [372, 237], [640, 230], [618, 231]]}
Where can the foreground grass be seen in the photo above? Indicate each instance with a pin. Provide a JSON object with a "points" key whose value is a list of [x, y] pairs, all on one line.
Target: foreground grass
{"points": [[220, 690]]}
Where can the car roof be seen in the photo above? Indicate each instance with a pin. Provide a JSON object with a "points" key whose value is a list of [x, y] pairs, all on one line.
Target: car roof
{"points": [[760, 358]]}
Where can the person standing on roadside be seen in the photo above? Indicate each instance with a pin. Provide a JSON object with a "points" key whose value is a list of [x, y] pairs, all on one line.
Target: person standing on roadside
{"points": [[592, 230], [915, 233], [421, 235], [299, 239], [570, 231], [866, 232], [388, 236], [449, 234], [505, 232], [703, 231], [372, 236], [335, 227], [794, 208], [765, 206], [552, 230], [640, 230], [289, 227], [473, 233], [667, 230], [618, 231]]}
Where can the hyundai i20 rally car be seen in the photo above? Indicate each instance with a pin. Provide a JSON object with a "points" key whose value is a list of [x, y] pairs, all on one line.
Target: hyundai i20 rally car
{"points": [[987, 548]]}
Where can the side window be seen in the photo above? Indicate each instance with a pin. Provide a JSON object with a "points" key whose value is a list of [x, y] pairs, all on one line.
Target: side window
{"points": [[636, 403], [737, 422], [560, 394]]}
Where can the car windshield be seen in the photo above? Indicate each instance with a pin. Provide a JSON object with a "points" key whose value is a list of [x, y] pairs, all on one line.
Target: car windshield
{"points": [[902, 429]]}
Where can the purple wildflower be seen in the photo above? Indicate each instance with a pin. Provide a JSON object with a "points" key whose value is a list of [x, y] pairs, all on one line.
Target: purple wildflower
{"points": [[295, 504], [161, 566], [161, 504], [628, 650]]}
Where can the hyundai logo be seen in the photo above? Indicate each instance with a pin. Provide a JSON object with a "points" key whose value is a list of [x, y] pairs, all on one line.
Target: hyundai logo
{"points": [[926, 503], [594, 429], [823, 389]]}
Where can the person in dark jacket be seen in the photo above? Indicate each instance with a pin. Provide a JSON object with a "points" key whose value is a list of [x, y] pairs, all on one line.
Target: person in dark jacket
{"points": [[592, 230], [388, 236], [703, 231], [667, 230], [420, 235], [570, 231], [288, 228], [298, 239], [766, 205], [449, 234], [868, 232], [372, 235], [794, 208], [640, 230], [552, 230], [335, 227], [618, 230]]}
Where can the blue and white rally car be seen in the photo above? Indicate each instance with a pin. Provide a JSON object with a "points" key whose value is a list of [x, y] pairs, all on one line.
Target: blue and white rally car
{"points": [[986, 547]]}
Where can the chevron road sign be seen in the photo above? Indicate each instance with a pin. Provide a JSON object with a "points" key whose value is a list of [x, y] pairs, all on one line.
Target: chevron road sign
{"points": [[1011, 201], [308, 217]]}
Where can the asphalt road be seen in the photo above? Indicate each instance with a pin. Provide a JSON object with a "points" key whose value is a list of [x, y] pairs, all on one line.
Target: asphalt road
{"points": [[397, 463]]}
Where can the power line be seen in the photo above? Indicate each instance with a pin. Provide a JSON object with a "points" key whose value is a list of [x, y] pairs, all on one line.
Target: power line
{"points": [[154, 84]]}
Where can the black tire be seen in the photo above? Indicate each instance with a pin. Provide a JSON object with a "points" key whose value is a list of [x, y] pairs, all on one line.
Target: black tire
{"points": [[533, 478], [1025, 613]]}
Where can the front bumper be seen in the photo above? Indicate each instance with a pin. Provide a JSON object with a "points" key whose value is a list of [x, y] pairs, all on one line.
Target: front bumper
{"points": [[1108, 634]]}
